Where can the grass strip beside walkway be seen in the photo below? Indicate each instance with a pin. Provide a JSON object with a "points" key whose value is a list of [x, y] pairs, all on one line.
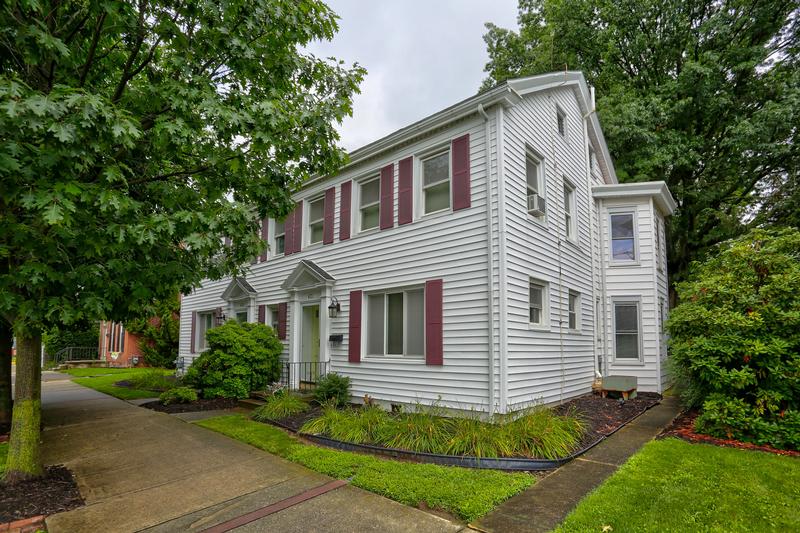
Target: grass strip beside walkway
{"points": [[103, 379], [462, 492], [672, 485]]}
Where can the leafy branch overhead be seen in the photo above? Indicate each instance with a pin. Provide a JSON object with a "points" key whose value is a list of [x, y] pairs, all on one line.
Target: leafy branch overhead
{"points": [[137, 135]]}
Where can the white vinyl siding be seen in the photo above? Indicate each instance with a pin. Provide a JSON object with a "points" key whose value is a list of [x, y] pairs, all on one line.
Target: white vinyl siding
{"points": [[436, 182]]}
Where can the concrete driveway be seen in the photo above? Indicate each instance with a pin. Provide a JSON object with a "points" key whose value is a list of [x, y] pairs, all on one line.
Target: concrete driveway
{"points": [[138, 469]]}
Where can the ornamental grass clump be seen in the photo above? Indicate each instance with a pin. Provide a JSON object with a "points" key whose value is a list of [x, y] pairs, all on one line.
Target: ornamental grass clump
{"points": [[425, 429], [280, 406], [474, 437], [541, 433], [359, 426]]}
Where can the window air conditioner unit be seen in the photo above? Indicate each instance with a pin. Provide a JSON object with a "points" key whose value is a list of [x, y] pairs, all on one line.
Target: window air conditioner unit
{"points": [[536, 205]]}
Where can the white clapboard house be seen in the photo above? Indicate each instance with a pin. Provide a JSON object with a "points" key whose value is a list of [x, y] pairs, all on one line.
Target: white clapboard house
{"points": [[484, 257]]}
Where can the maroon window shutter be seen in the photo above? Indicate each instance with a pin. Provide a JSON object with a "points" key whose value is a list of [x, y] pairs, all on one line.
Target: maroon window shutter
{"points": [[405, 191], [461, 182], [193, 333], [298, 227], [344, 210], [262, 314], [288, 234], [387, 197], [354, 341], [327, 225], [264, 237], [433, 322], [282, 308]]}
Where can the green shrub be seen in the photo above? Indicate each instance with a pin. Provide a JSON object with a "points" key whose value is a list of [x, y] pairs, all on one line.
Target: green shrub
{"points": [[280, 406], [241, 357], [178, 395], [153, 379], [65, 336], [333, 387], [735, 339], [159, 332]]}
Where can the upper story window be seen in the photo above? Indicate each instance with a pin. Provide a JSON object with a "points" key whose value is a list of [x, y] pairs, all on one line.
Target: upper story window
{"points": [[537, 295], [396, 323], [369, 204], [623, 237], [279, 237], [316, 220], [592, 161], [561, 122], [570, 226], [534, 176], [573, 310], [436, 182], [627, 341]]}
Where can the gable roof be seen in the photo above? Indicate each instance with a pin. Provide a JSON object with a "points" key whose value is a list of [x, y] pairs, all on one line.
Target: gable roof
{"points": [[307, 274], [238, 288]]}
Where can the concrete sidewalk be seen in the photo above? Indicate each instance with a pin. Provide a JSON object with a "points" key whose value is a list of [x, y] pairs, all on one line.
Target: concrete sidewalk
{"points": [[139, 469], [546, 504]]}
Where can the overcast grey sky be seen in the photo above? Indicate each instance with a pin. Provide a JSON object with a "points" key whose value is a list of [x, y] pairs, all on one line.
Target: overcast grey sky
{"points": [[421, 56]]}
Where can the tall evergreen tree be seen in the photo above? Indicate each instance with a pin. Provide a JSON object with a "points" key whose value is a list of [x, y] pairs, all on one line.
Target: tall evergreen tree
{"points": [[703, 94]]}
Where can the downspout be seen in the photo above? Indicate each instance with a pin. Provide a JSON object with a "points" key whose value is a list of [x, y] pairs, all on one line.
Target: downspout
{"points": [[561, 323], [656, 300], [489, 254], [592, 237], [501, 226]]}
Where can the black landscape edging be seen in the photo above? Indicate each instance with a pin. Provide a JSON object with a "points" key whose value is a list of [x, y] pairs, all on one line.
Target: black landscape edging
{"points": [[493, 463]]}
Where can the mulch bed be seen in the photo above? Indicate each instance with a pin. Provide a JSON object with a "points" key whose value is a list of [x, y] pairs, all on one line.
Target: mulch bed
{"points": [[602, 416], [199, 405], [54, 493], [683, 428]]}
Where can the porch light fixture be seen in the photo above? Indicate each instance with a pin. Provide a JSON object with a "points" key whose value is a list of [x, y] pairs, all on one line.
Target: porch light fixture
{"points": [[334, 308], [219, 319]]}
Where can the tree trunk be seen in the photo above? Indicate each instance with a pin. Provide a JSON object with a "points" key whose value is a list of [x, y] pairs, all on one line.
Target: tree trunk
{"points": [[24, 454], [6, 402]]}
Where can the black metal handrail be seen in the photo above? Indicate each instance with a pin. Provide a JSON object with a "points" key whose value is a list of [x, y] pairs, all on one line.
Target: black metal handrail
{"points": [[303, 375], [77, 353]]}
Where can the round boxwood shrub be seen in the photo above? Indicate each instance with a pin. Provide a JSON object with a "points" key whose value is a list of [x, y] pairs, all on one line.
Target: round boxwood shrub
{"points": [[178, 395], [735, 339], [241, 357]]}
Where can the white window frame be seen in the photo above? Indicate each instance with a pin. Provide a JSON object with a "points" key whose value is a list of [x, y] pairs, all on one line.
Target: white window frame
{"points": [[659, 255], [570, 212], [315, 222], [545, 310], [242, 305], [271, 318], [359, 208], [365, 326], [574, 296], [561, 116], [627, 300], [592, 161], [200, 339], [533, 156], [623, 211], [420, 166], [273, 240]]}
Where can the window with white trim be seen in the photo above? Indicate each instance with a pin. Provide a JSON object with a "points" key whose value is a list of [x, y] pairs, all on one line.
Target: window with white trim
{"points": [[205, 322], [659, 256], [436, 182], [272, 319], [570, 226], [574, 310], [537, 303], [396, 323], [369, 203], [534, 177], [623, 237], [592, 161], [316, 220], [627, 337], [279, 237], [561, 122]]}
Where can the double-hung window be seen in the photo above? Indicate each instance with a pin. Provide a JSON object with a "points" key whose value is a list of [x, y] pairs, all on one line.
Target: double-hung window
{"points": [[561, 122], [592, 162], [570, 226], [537, 305], [659, 256], [623, 237], [396, 323], [369, 204], [534, 176], [436, 182], [205, 321], [574, 310], [627, 339], [316, 220], [279, 237]]}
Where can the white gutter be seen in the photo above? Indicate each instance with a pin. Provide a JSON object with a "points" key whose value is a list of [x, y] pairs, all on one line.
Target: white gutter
{"points": [[501, 225], [489, 254]]}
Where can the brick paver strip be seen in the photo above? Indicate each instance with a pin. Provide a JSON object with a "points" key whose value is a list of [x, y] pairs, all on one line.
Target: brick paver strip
{"points": [[275, 507]]}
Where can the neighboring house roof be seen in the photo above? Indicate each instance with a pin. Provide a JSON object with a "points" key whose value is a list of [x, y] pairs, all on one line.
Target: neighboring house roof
{"points": [[656, 189], [507, 93]]}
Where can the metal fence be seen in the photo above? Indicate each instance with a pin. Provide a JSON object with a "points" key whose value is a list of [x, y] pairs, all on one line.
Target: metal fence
{"points": [[76, 353], [303, 375]]}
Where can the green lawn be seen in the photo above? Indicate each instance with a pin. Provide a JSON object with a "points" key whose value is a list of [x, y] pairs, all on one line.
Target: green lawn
{"points": [[103, 379], [672, 485], [463, 492]]}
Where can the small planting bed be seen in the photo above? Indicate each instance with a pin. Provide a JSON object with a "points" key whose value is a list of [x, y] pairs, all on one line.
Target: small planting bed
{"points": [[683, 428], [56, 492], [213, 404]]}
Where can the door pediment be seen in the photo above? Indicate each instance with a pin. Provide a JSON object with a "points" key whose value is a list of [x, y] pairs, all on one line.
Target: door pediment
{"points": [[307, 275]]}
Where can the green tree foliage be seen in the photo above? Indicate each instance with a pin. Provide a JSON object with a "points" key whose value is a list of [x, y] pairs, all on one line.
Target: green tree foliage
{"points": [[159, 333], [333, 388], [735, 339], [702, 94], [241, 358], [136, 136], [81, 334]]}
